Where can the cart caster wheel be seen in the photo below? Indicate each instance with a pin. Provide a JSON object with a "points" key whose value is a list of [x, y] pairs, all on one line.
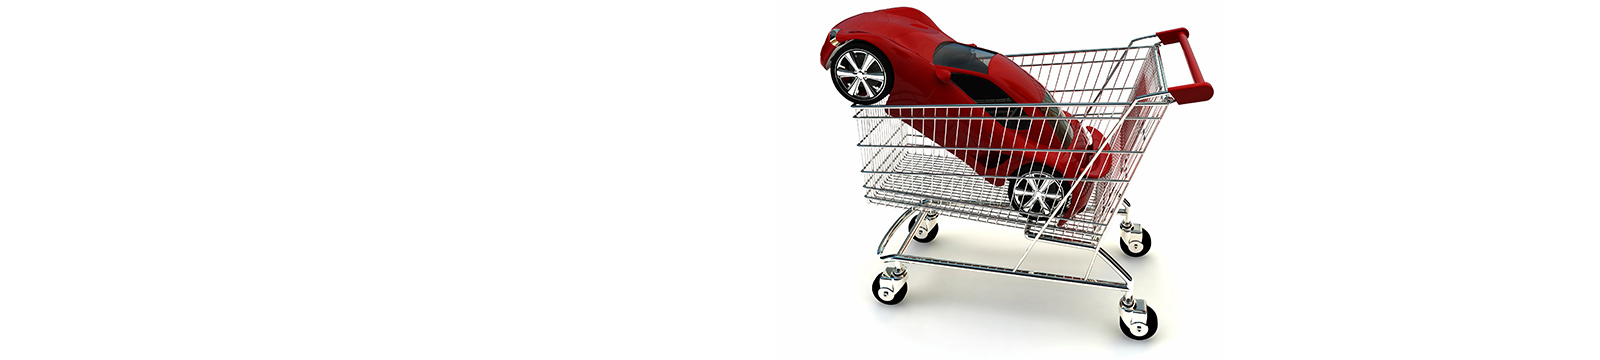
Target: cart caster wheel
{"points": [[931, 232], [885, 296], [1141, 331], [1139, 248]]}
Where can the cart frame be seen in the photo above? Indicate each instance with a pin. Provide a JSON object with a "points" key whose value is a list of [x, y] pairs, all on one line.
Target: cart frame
{"points": [[921, 177]]}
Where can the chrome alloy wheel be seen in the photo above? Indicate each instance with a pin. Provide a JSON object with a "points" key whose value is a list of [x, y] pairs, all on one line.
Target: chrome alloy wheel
{"points": [[860, 73], [1037, 192]]}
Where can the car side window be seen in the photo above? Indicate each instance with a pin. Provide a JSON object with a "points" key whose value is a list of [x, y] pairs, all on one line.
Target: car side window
{"points": [[984, 92], [962, 57]]}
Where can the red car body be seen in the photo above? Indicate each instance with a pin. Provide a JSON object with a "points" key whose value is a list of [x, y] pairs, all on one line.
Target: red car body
{"points": [[909, 40]]}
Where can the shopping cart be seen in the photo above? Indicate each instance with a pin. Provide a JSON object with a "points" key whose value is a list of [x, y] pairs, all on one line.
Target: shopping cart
{"points": [[1113, 97]]}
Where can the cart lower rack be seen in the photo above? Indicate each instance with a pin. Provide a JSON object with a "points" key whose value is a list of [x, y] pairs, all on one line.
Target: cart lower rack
{"points": [[1061, 180]]}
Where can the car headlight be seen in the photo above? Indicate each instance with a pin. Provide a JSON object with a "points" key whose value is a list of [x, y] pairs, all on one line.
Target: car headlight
{"points": [[833, 37]]}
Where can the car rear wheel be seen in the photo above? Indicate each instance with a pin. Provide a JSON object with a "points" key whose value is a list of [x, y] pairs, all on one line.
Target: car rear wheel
{"points": [[1039, 191], [861, 73]]}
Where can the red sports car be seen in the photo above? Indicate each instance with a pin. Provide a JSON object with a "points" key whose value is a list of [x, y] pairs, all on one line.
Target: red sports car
{"points": [[901, 55]]}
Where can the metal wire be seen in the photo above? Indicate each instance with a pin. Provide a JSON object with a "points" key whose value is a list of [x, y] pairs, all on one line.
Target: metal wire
{"points": [[1091, 128]]}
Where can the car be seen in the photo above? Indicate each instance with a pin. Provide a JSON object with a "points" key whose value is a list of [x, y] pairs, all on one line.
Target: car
{"points": [[899, 56]]}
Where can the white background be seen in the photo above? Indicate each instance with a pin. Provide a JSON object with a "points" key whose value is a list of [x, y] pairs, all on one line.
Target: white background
{"points": [[355, 179]]}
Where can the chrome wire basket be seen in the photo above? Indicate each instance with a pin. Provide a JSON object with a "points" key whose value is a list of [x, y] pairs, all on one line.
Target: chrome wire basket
{"points": [[1056, 170]]}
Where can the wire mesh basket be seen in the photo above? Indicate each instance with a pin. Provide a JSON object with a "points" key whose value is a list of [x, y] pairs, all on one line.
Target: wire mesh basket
{"points": [[1010, 164]]}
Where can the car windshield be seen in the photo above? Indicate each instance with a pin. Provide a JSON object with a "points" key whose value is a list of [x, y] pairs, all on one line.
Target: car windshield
{"points": [[962, 57]]}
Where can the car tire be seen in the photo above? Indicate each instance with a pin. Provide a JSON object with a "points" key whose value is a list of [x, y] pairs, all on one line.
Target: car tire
{"points": [[856, 83], [1029, 205]]}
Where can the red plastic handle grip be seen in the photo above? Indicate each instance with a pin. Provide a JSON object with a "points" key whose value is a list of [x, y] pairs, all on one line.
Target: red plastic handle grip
{"points": [[1200, 90]]}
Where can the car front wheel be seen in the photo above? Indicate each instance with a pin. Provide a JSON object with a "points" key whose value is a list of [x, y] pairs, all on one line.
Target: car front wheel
{"points": [[861, 73]]}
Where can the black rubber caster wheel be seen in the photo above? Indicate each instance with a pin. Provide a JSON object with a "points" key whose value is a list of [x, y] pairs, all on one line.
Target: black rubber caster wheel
{"points": [[913, 229], [1142, 248], [1150, 320], [891, 301]]}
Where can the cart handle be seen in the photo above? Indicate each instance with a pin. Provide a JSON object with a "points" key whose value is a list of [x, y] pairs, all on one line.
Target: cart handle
{"points": [[1200, 90]]}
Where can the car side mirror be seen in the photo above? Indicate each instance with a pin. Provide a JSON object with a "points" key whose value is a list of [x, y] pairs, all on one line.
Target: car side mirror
{"points": [[942, 74]]}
